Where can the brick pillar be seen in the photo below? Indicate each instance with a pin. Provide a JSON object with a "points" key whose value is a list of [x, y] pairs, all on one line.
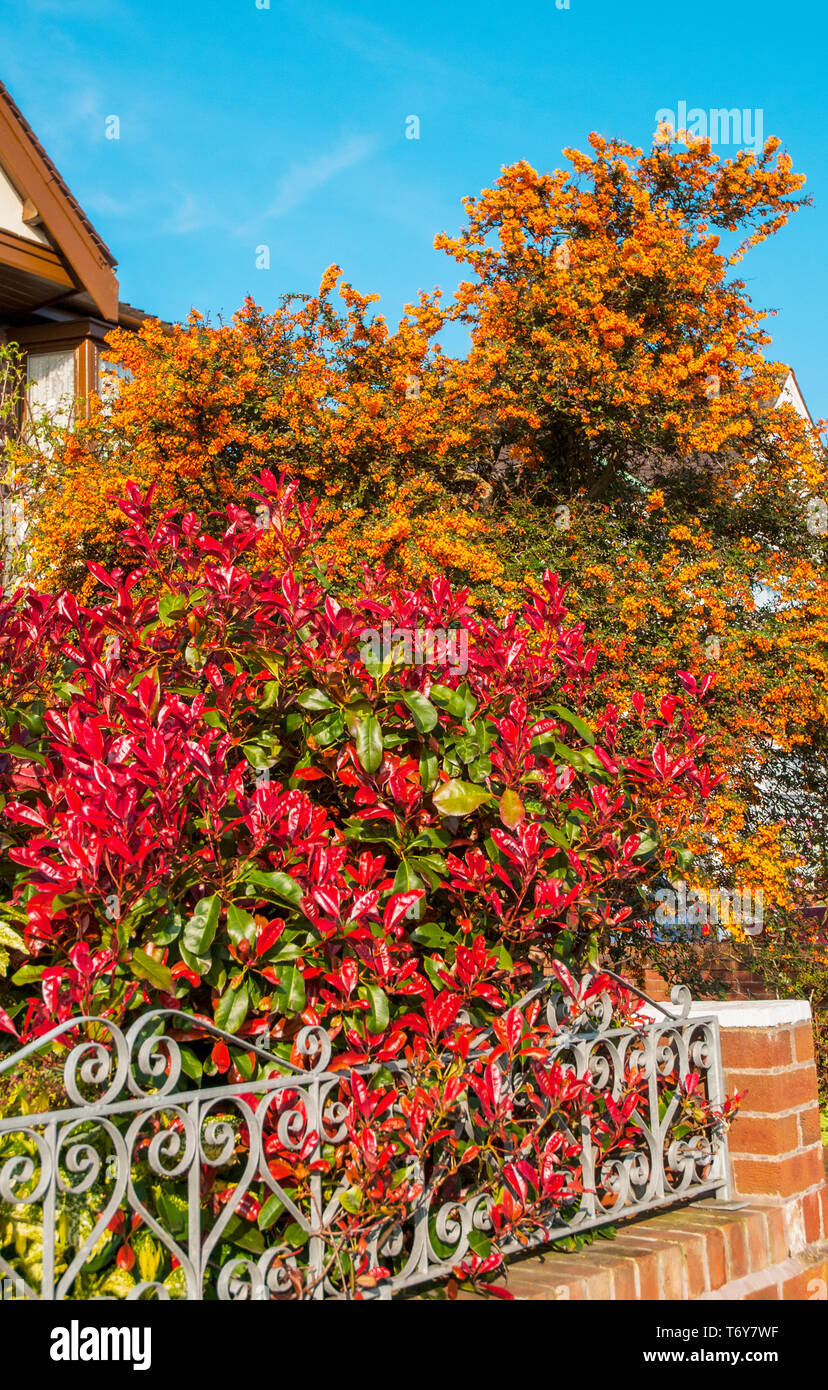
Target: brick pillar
{"points": [[775, 1147]]}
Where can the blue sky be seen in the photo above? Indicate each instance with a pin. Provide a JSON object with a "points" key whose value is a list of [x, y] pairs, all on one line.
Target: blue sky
{"points": [[285, 126]]}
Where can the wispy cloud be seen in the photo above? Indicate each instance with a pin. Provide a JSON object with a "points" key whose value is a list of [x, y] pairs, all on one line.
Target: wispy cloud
{"points": [[371, 42], [190, 214], [300, 181]]}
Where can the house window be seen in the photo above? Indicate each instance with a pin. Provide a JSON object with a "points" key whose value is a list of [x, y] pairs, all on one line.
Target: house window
{"points": [[110, 376], [51, 385]]}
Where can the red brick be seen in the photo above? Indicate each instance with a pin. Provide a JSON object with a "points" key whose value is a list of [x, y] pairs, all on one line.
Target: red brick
{"points": [[736, 1246], [765, 1135], [540, 1278], [823, 1202], [777, 1243], [803, 1041], [810, 1131], [768, 1092], [597, 1279], [672, 1265], [778, 1177], [757, 1239], [646, 1258], [757, 1049], [671, 1246], [812, 1214], [694, 1254], [716, 1257], [624, 1281]]}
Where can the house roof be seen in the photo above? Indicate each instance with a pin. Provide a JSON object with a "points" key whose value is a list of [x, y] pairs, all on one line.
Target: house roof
{"points": [[791, 391], [72, 237]]}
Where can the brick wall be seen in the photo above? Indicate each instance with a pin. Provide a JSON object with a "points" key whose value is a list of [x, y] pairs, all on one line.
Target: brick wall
{"points": [[720, 968]]}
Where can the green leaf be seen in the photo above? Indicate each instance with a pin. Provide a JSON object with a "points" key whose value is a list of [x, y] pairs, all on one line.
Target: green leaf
{"points": [[404, 880], [351, 1199], [11, 938], [315, 700], [458, 702], [480, 1244], [431, 837], [240, 925], [369, 744], [429, 934], [456, 798], [190, 1064], [573, 756], [199, 931], [375, 831], [296, 1235], [504, 960], [281, 884], [271, 661], [27, 974], [31, 717], [432, 868], [379, 1013], [272, 1208], [291, 992], [147, 968], [270, 694], [425, 715], [575, 721], [167, 931], [200, 965], [291, 951], [247, 1237], [231, 1010], [564, 944], [428, 770], [27, 754], [259, 756], [432, 969], [512, 811], [326, 731], [172, 606], [175, 1217], [464, 693], [557, 836]]}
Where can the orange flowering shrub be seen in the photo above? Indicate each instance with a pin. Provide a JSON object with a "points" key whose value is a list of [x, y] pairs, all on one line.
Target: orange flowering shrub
{"points": [[615, 419]]}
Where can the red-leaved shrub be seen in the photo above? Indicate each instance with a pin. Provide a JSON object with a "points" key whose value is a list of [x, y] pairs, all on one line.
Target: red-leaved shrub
{"points": [[224, 795]]}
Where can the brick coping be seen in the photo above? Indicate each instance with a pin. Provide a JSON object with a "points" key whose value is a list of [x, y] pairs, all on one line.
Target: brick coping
{"points": [[746, 1013]]}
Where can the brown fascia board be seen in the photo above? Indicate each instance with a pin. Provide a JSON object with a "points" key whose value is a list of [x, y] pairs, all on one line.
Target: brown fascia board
{"points": [[36, 177], [34, 259], [130, 317]]}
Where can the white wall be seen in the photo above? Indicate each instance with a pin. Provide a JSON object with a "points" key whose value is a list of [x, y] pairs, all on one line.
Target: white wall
{"points": [[11, 205]]}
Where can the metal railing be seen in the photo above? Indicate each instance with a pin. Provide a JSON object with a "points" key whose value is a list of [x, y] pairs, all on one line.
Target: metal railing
{"points": [[138, 1138]]}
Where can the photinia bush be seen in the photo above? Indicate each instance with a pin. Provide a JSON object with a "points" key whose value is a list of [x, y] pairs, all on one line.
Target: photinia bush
{"points": [[225, 793]]}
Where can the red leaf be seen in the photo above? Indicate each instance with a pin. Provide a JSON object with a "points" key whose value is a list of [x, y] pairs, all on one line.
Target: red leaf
{"points": [[6, 1024], [397, 906]]}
